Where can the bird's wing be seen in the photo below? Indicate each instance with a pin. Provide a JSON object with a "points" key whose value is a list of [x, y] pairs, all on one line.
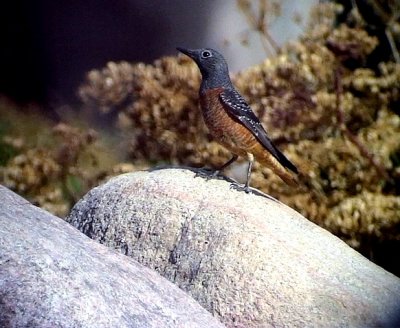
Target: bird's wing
{"points": [[237, 107]]}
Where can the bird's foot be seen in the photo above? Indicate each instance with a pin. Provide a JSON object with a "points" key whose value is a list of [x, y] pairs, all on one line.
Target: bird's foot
{"points": [[240, 187], [207, 173]]}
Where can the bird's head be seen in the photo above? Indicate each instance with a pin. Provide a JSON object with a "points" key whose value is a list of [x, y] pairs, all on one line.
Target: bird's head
{"points": [[212, 65]]}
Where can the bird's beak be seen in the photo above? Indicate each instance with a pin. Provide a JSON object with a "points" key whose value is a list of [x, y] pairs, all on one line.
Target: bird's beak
{"points": [[188, 52]]}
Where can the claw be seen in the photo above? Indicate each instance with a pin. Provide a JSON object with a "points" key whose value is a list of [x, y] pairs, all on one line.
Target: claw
{"points": [[206, 174], [239, 187]]}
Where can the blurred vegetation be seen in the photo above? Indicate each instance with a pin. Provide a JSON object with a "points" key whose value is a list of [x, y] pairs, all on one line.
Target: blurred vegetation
{"points": [[329, 100], [51, 164]]}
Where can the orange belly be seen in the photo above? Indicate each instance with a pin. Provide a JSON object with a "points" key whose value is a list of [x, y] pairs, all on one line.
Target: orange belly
{"points": [[223, 128]]}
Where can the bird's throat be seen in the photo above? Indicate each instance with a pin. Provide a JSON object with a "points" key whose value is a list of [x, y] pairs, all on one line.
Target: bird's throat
{"points": [[212, 80]]}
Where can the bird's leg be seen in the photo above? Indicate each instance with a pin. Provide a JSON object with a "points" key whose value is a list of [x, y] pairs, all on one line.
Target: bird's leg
{"points": [[246, 186], [234, 158], [214, 174], [251, 161]]}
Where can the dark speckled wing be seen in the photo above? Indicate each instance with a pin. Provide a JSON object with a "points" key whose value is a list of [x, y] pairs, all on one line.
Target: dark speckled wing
{"points": [[237, 107]]}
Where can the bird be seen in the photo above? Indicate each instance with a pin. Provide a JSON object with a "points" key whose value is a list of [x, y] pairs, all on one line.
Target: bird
{"points": [[232, 123]]}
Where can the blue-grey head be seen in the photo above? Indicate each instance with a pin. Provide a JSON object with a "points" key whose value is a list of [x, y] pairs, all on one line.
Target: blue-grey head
{"points": [[212, 65]]}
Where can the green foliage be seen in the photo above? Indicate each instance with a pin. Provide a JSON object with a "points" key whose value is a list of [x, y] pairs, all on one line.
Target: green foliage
{"points": [[74, 185], [6, 153]]}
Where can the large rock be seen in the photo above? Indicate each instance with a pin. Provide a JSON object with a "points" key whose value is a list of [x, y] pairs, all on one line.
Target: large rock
{"points": [[51, 275], [248, 259]]}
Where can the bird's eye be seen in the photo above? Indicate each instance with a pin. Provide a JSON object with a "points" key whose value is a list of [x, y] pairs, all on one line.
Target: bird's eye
{"points": [[206, 54]]}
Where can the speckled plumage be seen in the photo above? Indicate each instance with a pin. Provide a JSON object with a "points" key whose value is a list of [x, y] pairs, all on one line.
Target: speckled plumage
{"points": [[230, 119]]}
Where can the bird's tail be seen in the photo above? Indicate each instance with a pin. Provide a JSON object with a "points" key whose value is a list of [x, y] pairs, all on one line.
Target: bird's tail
{"points": [[267, 159]]}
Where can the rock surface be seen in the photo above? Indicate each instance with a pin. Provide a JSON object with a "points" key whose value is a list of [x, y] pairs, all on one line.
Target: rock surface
{"points": [[248, 259], [51, 275]]}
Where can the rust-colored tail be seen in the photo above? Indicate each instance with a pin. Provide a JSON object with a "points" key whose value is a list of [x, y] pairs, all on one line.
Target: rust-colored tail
{"points": [[267, 159]]}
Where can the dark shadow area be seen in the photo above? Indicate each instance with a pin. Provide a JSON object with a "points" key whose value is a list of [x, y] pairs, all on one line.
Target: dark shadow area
{"points": [[385, 253], [22, 57], [48, 46]]}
